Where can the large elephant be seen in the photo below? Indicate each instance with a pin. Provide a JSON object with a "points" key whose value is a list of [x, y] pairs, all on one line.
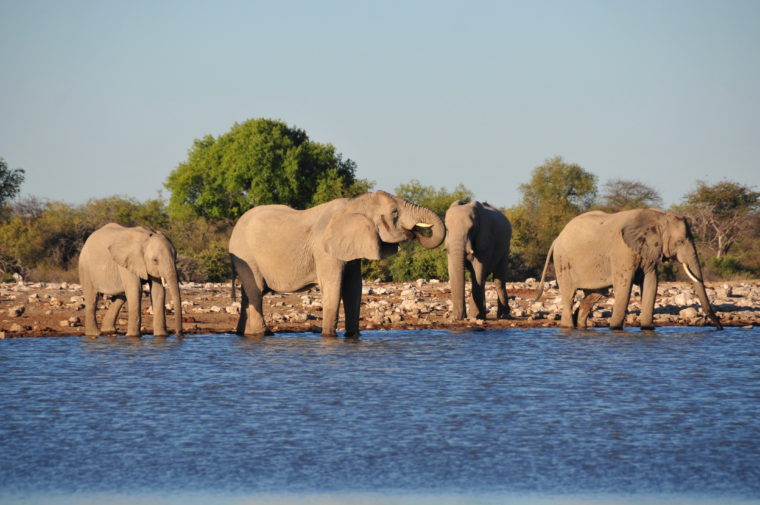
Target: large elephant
{"points": [[477, 238], [597, 250], [115, 261], [277, 248]]}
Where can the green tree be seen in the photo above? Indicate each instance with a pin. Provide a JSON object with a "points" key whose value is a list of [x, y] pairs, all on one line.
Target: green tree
{"points": [[258, 162], [10, 182], [621, 194], [722, 213], [556, 193]]}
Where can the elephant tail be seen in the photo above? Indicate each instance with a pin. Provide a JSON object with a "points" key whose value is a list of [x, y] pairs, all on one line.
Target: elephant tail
{"points": [[540, 290]]}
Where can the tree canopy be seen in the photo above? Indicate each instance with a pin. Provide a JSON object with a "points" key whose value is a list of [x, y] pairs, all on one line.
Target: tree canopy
{"points": [[259, 162], [10, 181], [721, 213], [622, 194], [437, 200], [557, 192]]}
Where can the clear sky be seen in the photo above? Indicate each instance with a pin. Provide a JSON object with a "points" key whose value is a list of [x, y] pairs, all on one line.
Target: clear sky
{"points": [[101, 97]]}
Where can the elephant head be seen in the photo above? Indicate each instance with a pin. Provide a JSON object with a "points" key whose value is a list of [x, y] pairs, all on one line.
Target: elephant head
{"points": [[654, 235], [462, 225], [150, 255], [372, 225]]}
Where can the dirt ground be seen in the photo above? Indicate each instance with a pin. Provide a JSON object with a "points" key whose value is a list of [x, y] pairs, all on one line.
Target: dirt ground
{"points": [[45, 309]]}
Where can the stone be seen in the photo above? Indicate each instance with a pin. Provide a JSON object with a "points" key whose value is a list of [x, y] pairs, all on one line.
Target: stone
{"points": [[688, 314], [17, 311]]}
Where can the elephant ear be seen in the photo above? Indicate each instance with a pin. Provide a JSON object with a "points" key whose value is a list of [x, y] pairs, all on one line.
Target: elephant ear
{"points": [[642, 235], [350, 236], [127, 252]]}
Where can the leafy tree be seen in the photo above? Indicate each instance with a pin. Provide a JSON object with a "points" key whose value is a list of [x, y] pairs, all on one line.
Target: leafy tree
{"points": [[621, 194], [10, 182], [556, 193], [259, 161], [721, 213]]}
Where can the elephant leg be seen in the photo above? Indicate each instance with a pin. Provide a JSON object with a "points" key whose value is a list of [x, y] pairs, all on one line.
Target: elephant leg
{"points": [[500, 283], [648, 295], [251, 320], [567, 292], [351, 294], [109, 319], [330, 274], [478, 275], [158, 302], [133, 292], [90, 306], [621, 287], [590, 299]]}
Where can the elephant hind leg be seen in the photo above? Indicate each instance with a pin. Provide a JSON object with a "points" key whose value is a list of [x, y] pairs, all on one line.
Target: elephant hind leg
{"points": [[567, 292], [500, 283], [251, 320], [108, 326], [590, 299]]}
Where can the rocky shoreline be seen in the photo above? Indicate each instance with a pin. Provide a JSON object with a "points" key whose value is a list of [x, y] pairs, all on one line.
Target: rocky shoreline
{"points": [[57, 309]]}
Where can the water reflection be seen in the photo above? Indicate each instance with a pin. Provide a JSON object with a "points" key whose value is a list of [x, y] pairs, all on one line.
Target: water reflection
{"points": [[526, 411]]}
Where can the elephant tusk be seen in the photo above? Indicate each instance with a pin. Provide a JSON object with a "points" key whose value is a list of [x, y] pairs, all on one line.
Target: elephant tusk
{"points": [[164, 283], [691, 275], [423, 225], [470, 252]]}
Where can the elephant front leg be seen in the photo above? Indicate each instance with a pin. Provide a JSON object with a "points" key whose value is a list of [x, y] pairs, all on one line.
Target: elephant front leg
{"points": [[351, 294], [478, 275], [648, 295], [90, 306], [622, 290], [134, 306], [158, 301], [109, 319]]}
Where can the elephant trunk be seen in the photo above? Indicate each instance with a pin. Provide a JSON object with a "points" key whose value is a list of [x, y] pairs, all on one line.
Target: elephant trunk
{"points": [[456, 278], [694, 271], [172, 281], [419, 217]]}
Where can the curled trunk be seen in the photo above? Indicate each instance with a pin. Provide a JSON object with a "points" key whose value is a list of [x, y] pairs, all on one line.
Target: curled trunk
{"points": [[418, 218]]}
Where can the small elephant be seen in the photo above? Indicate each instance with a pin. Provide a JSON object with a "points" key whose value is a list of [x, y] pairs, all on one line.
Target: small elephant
{"points": [[597, 250], [115, 261], [477, 238], [277, 248]]}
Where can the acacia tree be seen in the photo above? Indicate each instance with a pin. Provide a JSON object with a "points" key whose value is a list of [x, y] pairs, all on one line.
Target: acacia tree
{"points": [[621, 194], [10, 181], [557, 192], [721, 213], [258, 162]]}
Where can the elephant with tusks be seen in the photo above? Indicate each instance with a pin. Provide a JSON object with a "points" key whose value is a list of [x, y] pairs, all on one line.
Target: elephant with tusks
{"points": [[597, 250], [277, 248]]}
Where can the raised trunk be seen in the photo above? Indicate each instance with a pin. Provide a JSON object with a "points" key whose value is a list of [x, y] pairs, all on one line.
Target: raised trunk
{"points": [[694, 271], [456, 279], [419, 217]]}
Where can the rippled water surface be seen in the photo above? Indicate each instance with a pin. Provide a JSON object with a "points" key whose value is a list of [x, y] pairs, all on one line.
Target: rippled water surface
{"points": [[481, 417]]}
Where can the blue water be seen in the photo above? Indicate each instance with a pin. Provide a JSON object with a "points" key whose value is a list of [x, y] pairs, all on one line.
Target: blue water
{"points": [[544, 416]]}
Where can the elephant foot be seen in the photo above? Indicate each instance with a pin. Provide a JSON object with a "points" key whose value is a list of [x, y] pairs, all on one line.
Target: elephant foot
{"points": [[329, 335], [133, 335], [266, 332], [649, 327], [161, 334], [352, 334]]}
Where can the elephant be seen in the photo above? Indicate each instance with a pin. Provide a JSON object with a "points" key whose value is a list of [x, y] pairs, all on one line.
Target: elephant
{"points": [[597, 250], [116, 261], [277, 248], [477, 238]]}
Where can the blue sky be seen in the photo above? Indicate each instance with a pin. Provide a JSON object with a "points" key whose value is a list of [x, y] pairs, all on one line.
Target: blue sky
{"points": [[103, 97]]}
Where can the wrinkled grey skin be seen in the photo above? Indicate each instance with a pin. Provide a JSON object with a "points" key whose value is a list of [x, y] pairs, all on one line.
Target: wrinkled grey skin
{"points": [[477, 239], [597, 250], [277, 248], [115, 261]]}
